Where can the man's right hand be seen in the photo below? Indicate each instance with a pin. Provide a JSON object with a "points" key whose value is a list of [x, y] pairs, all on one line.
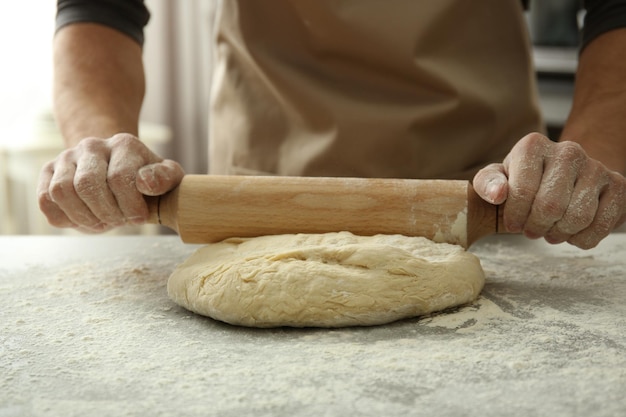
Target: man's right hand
{"points": [[100, 183]]}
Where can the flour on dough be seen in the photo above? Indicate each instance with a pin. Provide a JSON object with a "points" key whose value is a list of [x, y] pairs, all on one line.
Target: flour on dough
{"points": [[325, 280]]}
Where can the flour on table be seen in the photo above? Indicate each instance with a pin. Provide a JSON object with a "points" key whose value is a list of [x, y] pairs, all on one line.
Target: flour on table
{"points": [[325, 280]]}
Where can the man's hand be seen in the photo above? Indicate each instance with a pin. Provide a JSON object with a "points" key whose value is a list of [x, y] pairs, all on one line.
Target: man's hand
{"points": [[99, 184], [555, 191]]}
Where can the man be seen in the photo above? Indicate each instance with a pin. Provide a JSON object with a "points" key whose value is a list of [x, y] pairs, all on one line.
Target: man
{"points": [[400, 88]]}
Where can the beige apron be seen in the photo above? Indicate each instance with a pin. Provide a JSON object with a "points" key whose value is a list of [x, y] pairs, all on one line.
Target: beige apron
{"points": [[369, 88]]}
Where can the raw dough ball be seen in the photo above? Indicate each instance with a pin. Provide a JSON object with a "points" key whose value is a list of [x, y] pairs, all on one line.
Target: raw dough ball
{"points": [[325, 280]]}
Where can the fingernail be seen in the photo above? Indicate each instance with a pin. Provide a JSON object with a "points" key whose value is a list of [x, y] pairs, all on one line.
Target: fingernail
{"points": [[493, 190], [99, 227], [138, 220], [514, 228], [531, 235]]}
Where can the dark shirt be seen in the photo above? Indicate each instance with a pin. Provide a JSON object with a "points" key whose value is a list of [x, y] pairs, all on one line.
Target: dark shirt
{"points": [[127, 16], [131, 16], [602, 16]]}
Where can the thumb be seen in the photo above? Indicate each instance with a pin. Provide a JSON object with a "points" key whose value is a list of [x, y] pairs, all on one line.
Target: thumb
{"points": [[491, 184], [159, 178]]}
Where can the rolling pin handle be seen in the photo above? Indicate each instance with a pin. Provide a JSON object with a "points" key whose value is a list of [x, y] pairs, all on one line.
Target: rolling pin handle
{"points": [[159, 209], [162, 209], [154, 209], [500, 219], [497, 219]]}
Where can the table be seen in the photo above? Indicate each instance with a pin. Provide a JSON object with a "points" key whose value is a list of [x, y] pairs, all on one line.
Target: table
{"points": [[87, 329]]}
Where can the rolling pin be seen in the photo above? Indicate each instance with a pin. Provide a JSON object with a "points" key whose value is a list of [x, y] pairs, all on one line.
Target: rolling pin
{"points": [[210, 208]]}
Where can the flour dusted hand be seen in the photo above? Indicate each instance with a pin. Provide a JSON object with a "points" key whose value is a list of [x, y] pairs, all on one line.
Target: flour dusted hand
{"points": [[325, 280], [556, 191], [99, 184]]}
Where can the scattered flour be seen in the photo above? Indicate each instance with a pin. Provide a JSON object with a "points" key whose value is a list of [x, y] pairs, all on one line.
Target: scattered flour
{"points": [[98, 334]]}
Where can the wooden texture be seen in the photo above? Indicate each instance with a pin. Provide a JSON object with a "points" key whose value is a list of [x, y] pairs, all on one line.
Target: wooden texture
{"points": [[206, 209]]}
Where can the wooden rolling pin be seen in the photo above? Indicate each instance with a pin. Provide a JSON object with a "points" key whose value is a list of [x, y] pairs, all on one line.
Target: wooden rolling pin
{"points": [[209, 208]]}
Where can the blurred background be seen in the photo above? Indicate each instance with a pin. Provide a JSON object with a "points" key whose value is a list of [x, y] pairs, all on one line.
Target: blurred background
{"points": [[177, 62], [178, 66]]}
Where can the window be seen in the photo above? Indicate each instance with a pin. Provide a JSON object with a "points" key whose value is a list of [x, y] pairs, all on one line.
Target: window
{"points": [[26, 71]]}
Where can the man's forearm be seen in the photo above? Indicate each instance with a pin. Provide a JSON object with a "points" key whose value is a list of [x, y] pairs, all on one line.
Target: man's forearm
{"points": [[598, 117], [98, 82]]}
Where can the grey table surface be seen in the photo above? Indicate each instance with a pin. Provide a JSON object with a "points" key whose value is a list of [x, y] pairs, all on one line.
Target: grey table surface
{"points": [[87, 329]]}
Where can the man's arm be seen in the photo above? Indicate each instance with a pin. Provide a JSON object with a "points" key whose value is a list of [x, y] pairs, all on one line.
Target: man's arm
{"points": [[574, 190], [597, 120], [99, 182], [98, 83]]}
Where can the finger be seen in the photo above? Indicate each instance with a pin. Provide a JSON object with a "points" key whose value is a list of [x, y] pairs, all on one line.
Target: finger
{"points": [[121, 177], [524, 167], [491, 184], [55, 216], [582, 208], [90, 183], [600, 227], [561, 170], [64, 195], [159, 178], [579, 215], [609, 214]]}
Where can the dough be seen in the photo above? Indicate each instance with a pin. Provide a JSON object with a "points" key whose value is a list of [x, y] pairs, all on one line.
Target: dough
{"points": [[325, 280]]}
